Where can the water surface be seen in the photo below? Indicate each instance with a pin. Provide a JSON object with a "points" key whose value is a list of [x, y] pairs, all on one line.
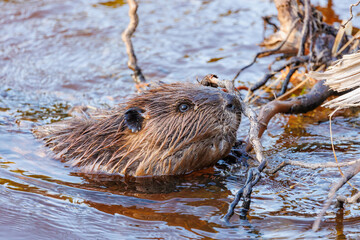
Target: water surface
{"points": [[58, 54]]}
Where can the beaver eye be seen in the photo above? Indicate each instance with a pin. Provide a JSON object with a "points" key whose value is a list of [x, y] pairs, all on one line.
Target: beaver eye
{"points": [[184, 107]]}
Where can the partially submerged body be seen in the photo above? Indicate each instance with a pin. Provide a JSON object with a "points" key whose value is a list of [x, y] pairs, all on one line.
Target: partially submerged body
{"points": [[169, 130]]}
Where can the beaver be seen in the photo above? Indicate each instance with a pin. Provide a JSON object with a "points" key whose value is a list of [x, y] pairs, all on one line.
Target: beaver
{"points": [[170, 129]]}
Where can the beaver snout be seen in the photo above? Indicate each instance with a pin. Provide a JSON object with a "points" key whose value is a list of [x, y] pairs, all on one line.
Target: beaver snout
{"points": [[232, 103]]}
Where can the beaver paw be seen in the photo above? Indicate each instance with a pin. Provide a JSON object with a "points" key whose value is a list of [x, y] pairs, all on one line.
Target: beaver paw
{"points": [[238, 154]]}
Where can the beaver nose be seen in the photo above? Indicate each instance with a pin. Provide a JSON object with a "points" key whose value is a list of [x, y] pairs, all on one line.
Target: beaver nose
{"points": [[232, 103]]}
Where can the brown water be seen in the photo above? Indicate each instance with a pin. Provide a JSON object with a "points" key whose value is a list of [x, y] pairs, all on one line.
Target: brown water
{"points": [[55, 54]]}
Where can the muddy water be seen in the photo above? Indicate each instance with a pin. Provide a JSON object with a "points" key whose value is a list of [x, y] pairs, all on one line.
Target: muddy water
{"points": [[57, 54]]}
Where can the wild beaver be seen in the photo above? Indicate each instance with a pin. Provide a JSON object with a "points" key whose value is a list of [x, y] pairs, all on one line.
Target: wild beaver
{"points": [[169, 130]]}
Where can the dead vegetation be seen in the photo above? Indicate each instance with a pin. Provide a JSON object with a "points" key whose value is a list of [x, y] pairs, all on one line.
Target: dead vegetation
{"points": [[310, 45]]}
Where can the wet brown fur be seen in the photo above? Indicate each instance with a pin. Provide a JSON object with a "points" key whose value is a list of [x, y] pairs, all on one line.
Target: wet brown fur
{"points": [[170, 142]]}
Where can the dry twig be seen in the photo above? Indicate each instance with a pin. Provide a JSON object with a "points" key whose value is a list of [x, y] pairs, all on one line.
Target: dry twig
{"points": [[351, 14]]}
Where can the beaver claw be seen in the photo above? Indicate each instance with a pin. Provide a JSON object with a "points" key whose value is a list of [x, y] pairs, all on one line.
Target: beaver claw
{"points": [[238, 154]]}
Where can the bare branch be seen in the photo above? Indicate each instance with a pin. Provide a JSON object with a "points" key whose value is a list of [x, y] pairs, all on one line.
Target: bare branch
{"points": [[253, 133], [301, 104], [305, 30], [287, 80], [293, 60], [351, 14], [355, 170], [126, 37]]}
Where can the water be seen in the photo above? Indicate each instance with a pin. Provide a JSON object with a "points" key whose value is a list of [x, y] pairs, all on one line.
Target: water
{"points": [[58, 54]]}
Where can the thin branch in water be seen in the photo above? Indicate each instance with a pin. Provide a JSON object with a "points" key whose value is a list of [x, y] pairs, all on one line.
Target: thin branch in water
{"points": [[251, 99], [253, 177], [267, 20], [312, 166], [267, 76], [332, 139], [332, 143], [126, 37], [354, 198], [351, 14], [353, 171]]}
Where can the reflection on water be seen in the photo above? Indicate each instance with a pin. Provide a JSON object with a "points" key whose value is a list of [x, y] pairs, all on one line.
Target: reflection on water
{"points": [[58, 54]]}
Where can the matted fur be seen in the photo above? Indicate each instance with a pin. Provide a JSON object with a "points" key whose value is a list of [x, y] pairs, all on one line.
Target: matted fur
{"points": [[170, 142]]}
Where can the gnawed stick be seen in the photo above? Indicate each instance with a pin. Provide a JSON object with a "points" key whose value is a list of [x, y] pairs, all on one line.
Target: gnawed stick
{"points": [[254, 174], [126, 37]]}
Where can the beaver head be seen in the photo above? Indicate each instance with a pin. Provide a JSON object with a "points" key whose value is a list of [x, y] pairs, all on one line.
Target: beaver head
{"points": [[172, 129]]}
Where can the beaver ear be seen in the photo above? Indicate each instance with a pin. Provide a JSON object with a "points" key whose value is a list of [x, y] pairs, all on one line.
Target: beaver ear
{"points": [[134, 118]]}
